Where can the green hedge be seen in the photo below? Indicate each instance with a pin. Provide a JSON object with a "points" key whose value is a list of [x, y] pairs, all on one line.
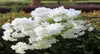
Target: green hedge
{"points": [[86, 44]]}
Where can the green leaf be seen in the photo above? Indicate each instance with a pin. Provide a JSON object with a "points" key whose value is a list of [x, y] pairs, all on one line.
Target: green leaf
{"points": [[81, 46], [98, 37], [46, 53], [50, 20]]}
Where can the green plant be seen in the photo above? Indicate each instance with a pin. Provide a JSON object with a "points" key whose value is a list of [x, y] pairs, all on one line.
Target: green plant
{"points": [[86, 44]]}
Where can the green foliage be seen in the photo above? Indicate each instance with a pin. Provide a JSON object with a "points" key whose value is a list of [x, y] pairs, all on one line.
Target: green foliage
{"points": [[50, 20], [86, 44], [14, 3]]}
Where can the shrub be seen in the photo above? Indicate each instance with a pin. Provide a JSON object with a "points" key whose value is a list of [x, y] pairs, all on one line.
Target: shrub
{"points": [[86, 44], [46, 27]]}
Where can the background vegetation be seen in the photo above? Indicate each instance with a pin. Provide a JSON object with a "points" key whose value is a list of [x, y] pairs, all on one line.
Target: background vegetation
{"points": [[44, 2]]}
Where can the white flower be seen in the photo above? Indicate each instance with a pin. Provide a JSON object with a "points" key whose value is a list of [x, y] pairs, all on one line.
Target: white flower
{"points": [[22, 24], [78, 25], [20, 47], [40, 14], [17, 35], [54, 28], [45, 24], [80, 22], [81, 33], [70, 33], [72, 13], [90, 28], [49, 30], [57, 19], [44, 43], [32, 39], [58, 14], [6, 26], [8, 38], [29, 32], [7, 35], [41, 32], [8, 32], [20, 50]]}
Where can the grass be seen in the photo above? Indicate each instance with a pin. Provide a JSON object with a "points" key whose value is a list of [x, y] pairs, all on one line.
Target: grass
{"points": [[6, 18]]}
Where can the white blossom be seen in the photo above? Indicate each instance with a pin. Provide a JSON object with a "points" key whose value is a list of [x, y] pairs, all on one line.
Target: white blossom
{"points": [[40, 14], [44, 43], [72, 13], [20, 47], [70, 33], [54, 28], [81, 33], [22, 23], [17, 35], [6, 26], [49, 30], [7, 35], [90, 28], [58, 14]]}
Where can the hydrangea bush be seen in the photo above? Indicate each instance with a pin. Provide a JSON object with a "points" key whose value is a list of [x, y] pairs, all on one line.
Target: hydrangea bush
{"points": [[42, 29]]}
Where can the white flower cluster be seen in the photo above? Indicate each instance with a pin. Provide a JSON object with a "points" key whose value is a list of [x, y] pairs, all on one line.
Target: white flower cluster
{"points": [[43, 27], [20, 47]]}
